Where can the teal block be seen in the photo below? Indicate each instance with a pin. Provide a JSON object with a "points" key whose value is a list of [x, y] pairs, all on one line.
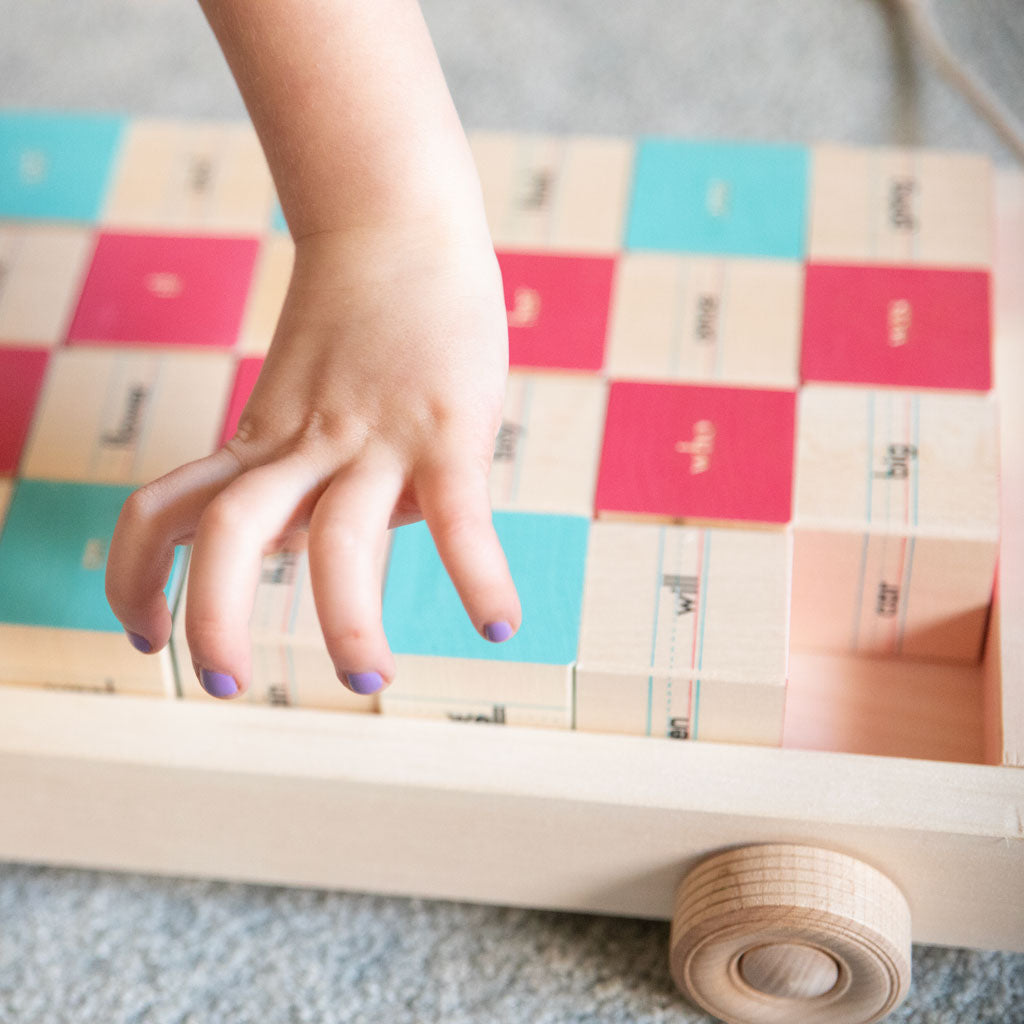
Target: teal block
{"points": [[53, 554], [734, 199], [277, 221], [56, 166], [546, 554]]}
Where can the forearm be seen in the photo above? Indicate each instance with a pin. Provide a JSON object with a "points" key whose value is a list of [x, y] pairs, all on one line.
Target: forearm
{"points": [[352, 110]]}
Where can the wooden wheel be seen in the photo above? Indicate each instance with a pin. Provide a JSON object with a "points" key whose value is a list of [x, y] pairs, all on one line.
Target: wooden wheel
{"points": [[790, 934]]}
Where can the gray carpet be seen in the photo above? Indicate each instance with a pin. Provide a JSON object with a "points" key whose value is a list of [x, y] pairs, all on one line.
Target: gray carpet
{"points": [[89, 947]]}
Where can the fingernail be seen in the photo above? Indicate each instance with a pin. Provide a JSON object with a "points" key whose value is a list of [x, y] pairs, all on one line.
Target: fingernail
{"points": [[497, 632], [218, 684], [140, 643], [364, 683]]}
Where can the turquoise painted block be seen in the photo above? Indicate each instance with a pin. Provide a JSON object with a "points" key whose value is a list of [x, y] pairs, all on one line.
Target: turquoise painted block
{"points": [[736, 199], [277, 221], [56, 166], [53, 555], [546, 554]]}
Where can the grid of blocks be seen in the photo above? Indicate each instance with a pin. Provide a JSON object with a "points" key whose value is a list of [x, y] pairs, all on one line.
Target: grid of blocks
{"points": [[750, 404]]}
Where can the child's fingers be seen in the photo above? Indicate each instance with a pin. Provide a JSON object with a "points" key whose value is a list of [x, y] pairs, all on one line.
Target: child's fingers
{"points": [[152, 521], [456, 505], [236, 529], [347, 545]]}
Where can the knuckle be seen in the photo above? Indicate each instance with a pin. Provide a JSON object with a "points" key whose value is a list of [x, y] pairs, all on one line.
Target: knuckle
{"points": [[142, 508]]}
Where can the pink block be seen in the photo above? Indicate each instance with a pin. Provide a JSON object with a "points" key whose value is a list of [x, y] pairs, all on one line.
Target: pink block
{"points": [[897, 326], [690, 452], [166, 290], [21, 377], [557, 309], [245, 380]]}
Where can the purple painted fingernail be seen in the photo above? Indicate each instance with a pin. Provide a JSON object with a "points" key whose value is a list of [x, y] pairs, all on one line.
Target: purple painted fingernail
{"points": [[497, 632], [218, 684], [364, 683], [140, 643]]}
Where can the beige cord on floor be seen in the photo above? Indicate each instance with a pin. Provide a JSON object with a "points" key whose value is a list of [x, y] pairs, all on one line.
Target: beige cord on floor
{"points": [[926, 29]]}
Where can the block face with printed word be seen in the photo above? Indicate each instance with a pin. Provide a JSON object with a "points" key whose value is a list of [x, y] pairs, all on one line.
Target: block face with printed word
{"points": [[557, 309], [126, 415], [165, 290], [549, 443], [559, 194], [907, 327], [704, 454], [447, 669], [729, 199], [290, 664], [56, 167], [896, 523], [900, 207], [180, 175], [685, 633], [706, 319], [56, 628]]}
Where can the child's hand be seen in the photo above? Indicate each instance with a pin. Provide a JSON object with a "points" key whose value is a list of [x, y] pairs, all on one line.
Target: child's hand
{"points": [[378, 405]]}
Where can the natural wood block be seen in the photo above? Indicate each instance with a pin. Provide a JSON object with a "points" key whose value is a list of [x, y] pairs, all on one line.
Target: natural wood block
{"points": [[41, 271], [547, 192], [447, 670], [697, 453], [165, 290], [266, 297], [126, 415], [901, 206], [896, 522], [546, 453], [183, 175], [684, 633], [290, 663], [731, 321], [557, 308], [56, 629], [897, 326]]}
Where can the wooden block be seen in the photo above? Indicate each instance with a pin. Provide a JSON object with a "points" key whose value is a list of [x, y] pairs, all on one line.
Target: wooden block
{"points": [[126, 415], [290, 664], [1004, 652], [266, 298], [736, 199], [896, 522], [557, 309], [546, 454], [707, 454], [56, 166], [548, 192], [900, 206], [56, 628], [166, 290], [41, 271], [731, 321], [447, 670], [21, 377], [684, 633], [897, 326], [189, 176]]}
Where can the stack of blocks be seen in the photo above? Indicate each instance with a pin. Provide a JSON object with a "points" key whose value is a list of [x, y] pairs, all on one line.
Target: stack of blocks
{"points": [[749, 402]]}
